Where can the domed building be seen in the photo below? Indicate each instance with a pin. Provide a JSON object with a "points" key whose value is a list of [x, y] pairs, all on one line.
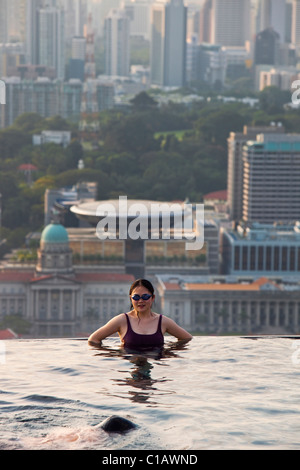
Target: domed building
{"points": [[54, 254], [57, 298]]}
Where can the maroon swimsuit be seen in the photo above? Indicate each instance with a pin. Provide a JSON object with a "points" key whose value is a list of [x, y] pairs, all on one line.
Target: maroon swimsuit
{"points": [[134, 340]]}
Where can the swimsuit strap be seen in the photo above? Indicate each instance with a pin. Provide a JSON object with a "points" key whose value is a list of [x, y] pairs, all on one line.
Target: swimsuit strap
{"points": [[159, 323], [128, 321]]}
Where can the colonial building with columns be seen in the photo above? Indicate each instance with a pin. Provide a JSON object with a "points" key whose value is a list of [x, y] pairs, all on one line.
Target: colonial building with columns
{"points": [[56, 298], [228, 304]]}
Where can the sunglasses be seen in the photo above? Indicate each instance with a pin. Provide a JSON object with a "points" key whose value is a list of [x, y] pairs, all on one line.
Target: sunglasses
{"points": [[137, 297]]}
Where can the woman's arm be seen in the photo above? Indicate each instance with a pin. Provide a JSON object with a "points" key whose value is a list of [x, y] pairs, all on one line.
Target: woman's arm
{"points": [[111, 327], [173, 329]]}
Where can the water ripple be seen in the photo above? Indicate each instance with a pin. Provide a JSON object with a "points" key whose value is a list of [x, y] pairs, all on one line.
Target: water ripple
{"points": [[217, 393]]}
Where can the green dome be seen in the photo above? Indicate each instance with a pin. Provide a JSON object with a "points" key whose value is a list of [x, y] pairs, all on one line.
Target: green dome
{"points": [[55, 233]]}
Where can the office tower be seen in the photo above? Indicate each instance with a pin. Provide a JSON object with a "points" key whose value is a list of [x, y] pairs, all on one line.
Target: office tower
{"points": [[78, 48], [271, 169], [32, 30], [75, 17], [90, 65], [235, 170], [168, 44], [42, 96], [51, 39], [117, 56], [3, 21], [272, 14], [230, 22], [296, 25], [139, 14], [157, 51], [267, 47], [78, 55], [80, 8], [15, 20], [205, 22]]}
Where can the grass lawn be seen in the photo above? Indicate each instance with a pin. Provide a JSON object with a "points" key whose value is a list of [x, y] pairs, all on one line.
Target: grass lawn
{"points": [[178, 134]]}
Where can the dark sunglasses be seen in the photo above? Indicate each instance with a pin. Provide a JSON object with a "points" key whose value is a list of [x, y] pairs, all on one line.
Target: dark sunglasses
{"points": [[138, 297]]}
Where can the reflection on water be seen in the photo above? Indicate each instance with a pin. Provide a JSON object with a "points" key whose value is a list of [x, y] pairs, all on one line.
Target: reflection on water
{"points": [[141, 364]]}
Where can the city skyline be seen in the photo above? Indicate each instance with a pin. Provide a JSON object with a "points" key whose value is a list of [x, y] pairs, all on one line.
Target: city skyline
{"points": [[232, 23]]}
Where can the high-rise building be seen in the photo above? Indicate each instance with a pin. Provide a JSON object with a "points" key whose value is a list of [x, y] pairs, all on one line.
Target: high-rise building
{"points": [[267, 47], [168, 44], [271, 178], [75, 17], [139, 14], [117, 56], [235, 170], [3, 21], [14, 18], [43, 96], [230, 24], [32, 30], [51, 39], [272, 14], [205, 22], [296, 25]]}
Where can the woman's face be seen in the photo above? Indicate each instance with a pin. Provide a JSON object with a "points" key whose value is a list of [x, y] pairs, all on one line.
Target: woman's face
{"points": [[142, 305]]}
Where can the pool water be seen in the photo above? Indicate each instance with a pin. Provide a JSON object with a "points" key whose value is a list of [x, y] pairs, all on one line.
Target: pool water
{"points": [[213, 393]]}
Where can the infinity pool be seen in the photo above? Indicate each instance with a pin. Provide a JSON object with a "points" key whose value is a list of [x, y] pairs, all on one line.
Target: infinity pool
{"points": [[215, 393]]}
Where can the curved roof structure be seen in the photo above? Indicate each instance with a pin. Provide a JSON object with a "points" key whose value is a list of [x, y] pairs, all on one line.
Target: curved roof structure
{"points": [[54, 233], [123, 207]]}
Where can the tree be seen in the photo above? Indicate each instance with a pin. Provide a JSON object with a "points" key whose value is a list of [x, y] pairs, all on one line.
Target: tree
{"points": [[132, 134], [214, 127], [16, 322], [143, 101], [272, 99], [29, 122], [11, 141]]}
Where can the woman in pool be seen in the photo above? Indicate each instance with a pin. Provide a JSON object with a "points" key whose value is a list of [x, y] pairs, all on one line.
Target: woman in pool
{"points": [[141, 328]]}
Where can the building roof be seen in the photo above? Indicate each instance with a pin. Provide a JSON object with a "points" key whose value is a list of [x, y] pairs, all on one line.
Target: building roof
{"points": [[238, 286], [30, 276], [27, 167], [7, 334], [55, 233], [16, 276], [216, 195], [104, 277], [190, 284]]}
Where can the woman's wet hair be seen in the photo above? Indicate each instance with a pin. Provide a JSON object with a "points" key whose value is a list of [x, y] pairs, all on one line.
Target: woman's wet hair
{"points": [[144, 283]]}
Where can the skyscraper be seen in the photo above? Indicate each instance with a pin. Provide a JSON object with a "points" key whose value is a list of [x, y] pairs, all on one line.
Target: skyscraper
{"points": [[168, 43], [139, 14], [271, 168], [3, 21], [51, 39], [32, 30], [267, 47], [296, 24], [230, 22], [272, 14], [235, 170], [116, 27]]}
